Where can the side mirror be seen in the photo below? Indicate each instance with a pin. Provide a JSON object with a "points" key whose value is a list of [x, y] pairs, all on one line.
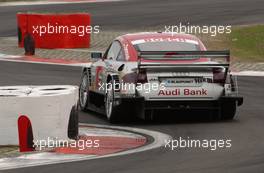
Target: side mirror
{"points": [[121, 67], [96, 55]]}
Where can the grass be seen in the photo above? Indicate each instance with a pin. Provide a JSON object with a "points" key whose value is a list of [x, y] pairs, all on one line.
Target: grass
{"points": [[6, 151], [246, 43]]}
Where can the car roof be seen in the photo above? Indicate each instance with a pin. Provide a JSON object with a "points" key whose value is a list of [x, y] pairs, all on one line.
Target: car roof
{"points": [[129, 40]]}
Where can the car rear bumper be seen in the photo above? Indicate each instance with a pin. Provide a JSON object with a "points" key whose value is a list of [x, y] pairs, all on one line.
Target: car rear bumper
{"points": [[182, 104]]}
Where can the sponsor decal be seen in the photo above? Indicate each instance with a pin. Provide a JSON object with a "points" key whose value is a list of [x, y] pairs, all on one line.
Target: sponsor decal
{"points": [[169, 39], [126, 51], [98, 78], [186, 92]]}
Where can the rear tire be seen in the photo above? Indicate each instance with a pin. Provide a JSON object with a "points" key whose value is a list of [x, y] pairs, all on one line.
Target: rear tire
{"points": [[228, 110], [149, 115]]}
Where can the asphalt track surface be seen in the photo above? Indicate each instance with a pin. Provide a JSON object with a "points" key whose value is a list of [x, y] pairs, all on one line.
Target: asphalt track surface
{"points": [[246, 131], [134, 14]]}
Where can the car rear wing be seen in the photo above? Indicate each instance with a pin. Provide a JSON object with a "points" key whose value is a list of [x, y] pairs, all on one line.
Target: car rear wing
{"points": [[157, 59]]}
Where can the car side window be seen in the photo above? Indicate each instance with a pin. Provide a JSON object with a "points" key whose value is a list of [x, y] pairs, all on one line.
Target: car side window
{"points": [[121, 55], [114, 50]]}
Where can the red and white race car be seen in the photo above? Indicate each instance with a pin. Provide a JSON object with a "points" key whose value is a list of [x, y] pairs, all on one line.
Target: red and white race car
{"points": [[142, 72]]}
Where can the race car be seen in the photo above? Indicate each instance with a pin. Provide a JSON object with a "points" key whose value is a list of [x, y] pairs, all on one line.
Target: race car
{"points": [[143, 72]]}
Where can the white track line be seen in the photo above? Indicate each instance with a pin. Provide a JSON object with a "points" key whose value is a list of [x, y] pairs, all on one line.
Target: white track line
{"points": [[249, 73], [28, 160], [107, 132], [15, 58], [45, 63]]}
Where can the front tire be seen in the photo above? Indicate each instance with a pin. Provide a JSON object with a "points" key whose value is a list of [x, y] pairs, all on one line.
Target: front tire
{"points": [[84, 92], [111, 110]]}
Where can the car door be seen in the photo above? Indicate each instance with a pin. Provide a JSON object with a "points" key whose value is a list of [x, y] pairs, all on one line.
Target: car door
{"points": [[108, 66]]}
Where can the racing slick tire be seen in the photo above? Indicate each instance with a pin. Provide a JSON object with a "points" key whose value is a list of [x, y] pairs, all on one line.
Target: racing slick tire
{"points": [[84, 92], [228, 110], [113, 112]]}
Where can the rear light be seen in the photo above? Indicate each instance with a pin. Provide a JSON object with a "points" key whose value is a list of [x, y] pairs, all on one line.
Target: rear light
{"points": [[219, 75], [232, 82], [142, 76]]}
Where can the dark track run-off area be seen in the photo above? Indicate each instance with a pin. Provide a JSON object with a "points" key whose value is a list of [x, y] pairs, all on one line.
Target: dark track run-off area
{"points": [[246, 131], [135, 14]]}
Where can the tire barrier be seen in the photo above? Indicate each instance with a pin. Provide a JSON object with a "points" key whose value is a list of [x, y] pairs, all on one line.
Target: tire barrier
{"points": [[29, 45], [52, 111], [54, 30]]}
